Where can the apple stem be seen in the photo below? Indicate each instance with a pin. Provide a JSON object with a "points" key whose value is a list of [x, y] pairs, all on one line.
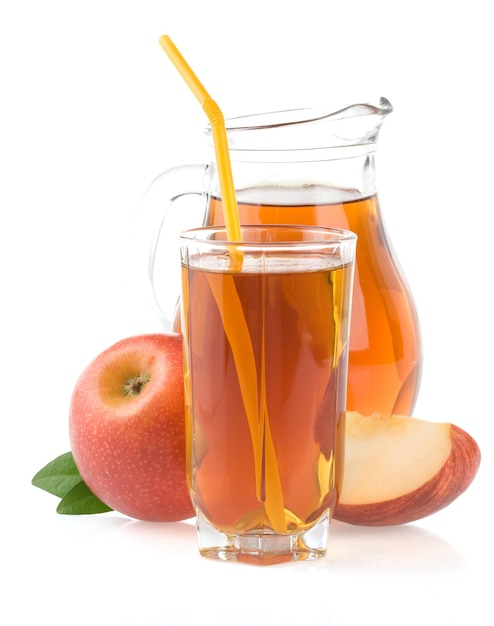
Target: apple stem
{"points": [[133, 386]]}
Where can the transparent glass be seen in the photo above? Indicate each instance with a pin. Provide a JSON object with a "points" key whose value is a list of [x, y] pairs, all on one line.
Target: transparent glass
{"points": [[314, 167], [265, 326]]}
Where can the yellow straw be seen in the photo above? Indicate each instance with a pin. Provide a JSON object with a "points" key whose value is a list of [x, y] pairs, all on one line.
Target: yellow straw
{"points": [[266, 470], [217, 121]]}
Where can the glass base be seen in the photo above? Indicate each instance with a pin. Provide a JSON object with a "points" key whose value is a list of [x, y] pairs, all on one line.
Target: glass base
{"points": [[264, 547]]}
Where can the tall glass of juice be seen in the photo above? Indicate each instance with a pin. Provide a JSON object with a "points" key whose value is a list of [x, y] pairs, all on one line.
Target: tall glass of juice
{"points": [[265, 324]]}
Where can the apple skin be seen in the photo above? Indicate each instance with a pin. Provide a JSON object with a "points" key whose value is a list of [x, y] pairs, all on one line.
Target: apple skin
{"points": [[130, 449], [450, 481]]}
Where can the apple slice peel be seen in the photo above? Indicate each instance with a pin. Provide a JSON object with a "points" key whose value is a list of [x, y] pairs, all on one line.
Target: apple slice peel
{"points": [[399, 469]]}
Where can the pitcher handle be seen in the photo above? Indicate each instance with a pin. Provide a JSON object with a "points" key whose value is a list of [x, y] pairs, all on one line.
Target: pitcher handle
{"points": [[158, 215]]}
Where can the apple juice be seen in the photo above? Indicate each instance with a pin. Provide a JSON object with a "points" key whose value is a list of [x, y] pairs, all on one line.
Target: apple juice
{"points": [[385, 359], [265, 426]]}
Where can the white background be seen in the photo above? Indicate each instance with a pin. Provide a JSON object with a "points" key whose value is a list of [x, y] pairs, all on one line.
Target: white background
{"points": [[91, 110]]}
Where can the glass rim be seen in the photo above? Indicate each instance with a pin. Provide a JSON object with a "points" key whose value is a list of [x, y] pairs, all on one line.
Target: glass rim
{"points": [[204, 234]]}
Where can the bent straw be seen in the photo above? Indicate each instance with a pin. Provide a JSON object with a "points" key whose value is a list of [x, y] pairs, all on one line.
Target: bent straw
{"points": [[267, 477], [217, 121]]}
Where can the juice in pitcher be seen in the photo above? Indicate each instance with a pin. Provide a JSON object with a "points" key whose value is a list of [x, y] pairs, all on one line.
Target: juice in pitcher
{"points": [[385, 353]]}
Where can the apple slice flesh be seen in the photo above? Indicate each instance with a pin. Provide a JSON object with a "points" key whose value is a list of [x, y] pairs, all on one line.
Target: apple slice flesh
{"points": [[399, 469]]}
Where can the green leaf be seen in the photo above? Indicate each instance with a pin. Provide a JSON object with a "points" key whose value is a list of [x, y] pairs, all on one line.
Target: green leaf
{"points": [[80, 500], [59, 476]]}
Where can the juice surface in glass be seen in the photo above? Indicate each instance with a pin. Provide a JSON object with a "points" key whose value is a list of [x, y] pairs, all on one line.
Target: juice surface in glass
{"points": [[297, 322], [385, 353]]}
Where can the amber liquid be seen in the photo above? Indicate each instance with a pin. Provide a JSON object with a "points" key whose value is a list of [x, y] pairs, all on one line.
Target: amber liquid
{"points": [[272, 467], [385, 353]]}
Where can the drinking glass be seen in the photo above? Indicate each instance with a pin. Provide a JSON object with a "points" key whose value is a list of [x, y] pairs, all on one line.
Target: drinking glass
{"points": [[265, 325]]}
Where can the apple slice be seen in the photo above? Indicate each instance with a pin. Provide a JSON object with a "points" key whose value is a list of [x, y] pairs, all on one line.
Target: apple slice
{"points": [[400, 469]]}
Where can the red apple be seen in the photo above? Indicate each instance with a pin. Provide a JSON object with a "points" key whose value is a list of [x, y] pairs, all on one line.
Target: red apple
{"points": [[127, 430], [400, 469]]}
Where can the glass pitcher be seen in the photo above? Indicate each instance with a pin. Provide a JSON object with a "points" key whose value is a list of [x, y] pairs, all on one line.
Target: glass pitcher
{"points": [[316, 167]]}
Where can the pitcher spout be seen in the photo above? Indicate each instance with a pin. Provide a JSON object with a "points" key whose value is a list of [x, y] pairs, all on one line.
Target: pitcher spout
{"points": [[317, 128]]}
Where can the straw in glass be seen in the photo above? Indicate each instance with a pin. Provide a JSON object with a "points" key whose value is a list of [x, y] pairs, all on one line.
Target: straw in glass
{"points": [[267, 478]]}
